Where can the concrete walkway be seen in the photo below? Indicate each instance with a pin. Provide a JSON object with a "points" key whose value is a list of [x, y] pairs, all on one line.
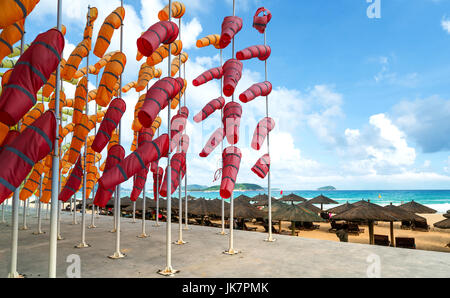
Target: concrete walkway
{"points": [[202, 256]]}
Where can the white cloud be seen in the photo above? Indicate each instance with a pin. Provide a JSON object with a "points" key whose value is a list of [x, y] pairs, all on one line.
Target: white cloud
{"points": [[445, 24]]}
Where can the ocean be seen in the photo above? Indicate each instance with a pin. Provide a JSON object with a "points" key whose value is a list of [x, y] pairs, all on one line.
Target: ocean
{"points": [[436, 199]]}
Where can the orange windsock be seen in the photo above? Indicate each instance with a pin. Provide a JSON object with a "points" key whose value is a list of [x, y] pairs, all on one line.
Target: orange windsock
{"points": [[175, 67], [176, 100], [12, 11], [102, 62], [139, 56], [5, 77], [91, 16], [81, 130], [110, 77], [4, 129], [82, 71], [66, 130], [49, 87], [47, 185], [91, 178], [156, 124], [212, 39], [80, 100], [128, 86], [62, 100], [158, 73], [32, 182], [92, 95], [112, 21], [32, 115], [178, 10], [9, 36], [134, 144], [146, 73], [163, 51], [114, 139], [74, 60]]}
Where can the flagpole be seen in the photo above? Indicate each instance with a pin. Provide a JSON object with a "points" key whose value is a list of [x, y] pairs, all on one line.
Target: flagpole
{"points": [[222, 232], [92, 225], [118, 254], [39, 225], [59, 237], [55, 168], [83, 243], [169, 271], [186, 220], [157, 193], [143, 234]]}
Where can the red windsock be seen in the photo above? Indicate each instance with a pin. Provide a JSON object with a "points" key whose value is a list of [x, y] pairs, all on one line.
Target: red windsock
{"points": [[232, 113], [73, 182], [138, 184], [214, 141], [230, 27], [18, 158], [184, 144], [183, 111], [136, 161], [261, 52], [232, 73], [213, 73], [115, 155], [262, 130], [12, 134], [154, 166], [178, 169], [30, 73], [260, 22], [262, 166], [145, 136], [259, 89], [110, 122], [162, 32], [231, 159], [157, 180], [177, 126], [157, 99], [211, 107]]}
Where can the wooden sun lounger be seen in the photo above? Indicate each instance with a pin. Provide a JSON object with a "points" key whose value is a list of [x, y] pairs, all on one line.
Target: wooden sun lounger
{"points": [[420, 226], [382, 240], [404, 242], [247, 228]]}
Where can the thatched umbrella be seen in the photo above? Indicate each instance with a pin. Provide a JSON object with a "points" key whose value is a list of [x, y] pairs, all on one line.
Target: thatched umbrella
{"points": [[201, 207], [359, 203], [242, 197], [367, 212], [341, 208], [293, 198], [403, 215], [260, 197], [293, 213], [245, 210], [443, 224], [447, 215], [417, 208], [322, 200], [311, 207]]}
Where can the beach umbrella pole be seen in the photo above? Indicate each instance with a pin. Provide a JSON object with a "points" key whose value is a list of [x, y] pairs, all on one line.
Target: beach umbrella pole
{"points": [[392, 233], [168, 270], [117, 253], [143, 234]]}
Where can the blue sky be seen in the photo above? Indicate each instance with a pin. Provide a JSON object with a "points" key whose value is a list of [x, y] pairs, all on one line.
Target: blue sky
{"points": [[359, 103]]}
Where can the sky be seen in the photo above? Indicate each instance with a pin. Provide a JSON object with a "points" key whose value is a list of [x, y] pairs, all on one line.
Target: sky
{"points": [[359, 102]]}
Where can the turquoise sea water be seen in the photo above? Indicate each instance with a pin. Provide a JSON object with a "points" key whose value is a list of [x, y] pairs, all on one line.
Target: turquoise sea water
{"points": [[436, 199]]}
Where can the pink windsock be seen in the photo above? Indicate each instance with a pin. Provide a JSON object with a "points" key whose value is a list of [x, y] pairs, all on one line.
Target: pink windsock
{"points": [[183, 111], [184, 144], [209, 75], [260, 21], [260, 51], [164, 32], [230, 27], [136, 161], [145, 136], [231, 160], [177, 126], [178, 169], [232, 73], [214, 141], [259, 89], [211, 107], [157, 99], [154, 166], [157, 180], [262, 166], [232, 113], [138, 184], [262, 130]]}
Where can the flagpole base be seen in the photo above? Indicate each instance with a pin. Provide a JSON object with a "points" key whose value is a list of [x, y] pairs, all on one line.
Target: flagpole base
{"points": [[179, 242], [24, 228], [222, 233], [157, 225], [113, 231], [117, 255], [38, 233], [168, 272], [59, 237], [270, 239], [15, 275], [74, 223], [186, 228], [143, 235], [92, 226], [82, 245], [232, 251]]}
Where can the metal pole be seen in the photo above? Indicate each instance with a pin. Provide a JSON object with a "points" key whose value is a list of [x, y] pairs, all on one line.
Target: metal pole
{"points": [[134, 212], [186, 220], [74, 220], [117, 254], [231, 250], [92, 225], [39, 225], [157, 195], [143, 234], [24, 216], [59, 237], [3, 212], [222, 232], [169, 271], [83, 243]]}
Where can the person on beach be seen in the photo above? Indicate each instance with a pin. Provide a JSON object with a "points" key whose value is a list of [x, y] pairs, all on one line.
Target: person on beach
{"points": [[342, 233]]}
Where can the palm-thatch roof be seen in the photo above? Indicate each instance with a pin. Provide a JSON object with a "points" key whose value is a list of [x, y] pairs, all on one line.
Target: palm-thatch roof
{"points": [[244, 210], [201, 207], [417, 208], [216, 206], [366, 212], [293, 198], [275, 206], [261, 197], [403, 214], [443, 224], [360, 203], [243, 197], [322, 200], [341, 208], [447, 215], [309, 206], [293, 212]]}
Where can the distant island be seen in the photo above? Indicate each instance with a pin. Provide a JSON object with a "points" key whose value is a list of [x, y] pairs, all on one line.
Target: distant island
{"points": [[325, 188], [238, 187]]}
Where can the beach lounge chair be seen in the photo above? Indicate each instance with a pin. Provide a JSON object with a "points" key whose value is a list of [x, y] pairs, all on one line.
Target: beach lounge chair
{"points": [[309, 226], [247, 228], [334, 227], [199, 221], [211, 224], [354, 229], [420, 226], [406, 225], [266, 228], [404, 242], [382, 240]]}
